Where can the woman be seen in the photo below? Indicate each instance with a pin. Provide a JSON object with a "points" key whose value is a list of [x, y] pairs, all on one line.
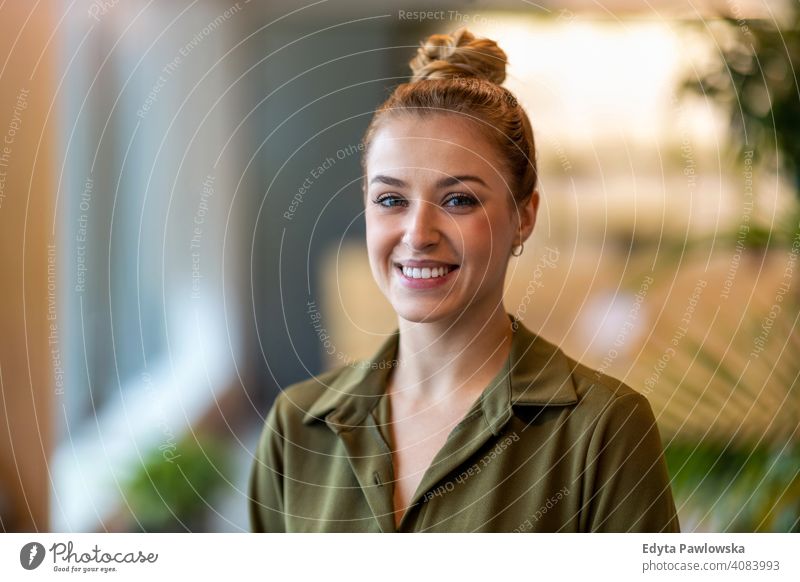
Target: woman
{"points": [[463, 420]]}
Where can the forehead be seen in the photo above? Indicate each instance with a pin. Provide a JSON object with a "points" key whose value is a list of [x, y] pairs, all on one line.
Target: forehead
{"points": [[432, 146]]}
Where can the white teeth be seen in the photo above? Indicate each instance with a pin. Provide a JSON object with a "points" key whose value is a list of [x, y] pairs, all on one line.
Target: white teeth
{"points": [[425, 272]]}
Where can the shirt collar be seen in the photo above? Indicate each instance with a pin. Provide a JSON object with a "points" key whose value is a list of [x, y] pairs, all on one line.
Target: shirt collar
{"points": [[540, 375]]}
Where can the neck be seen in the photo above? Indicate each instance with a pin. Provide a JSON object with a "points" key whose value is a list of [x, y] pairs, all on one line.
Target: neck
{"points": [[447, 358]]}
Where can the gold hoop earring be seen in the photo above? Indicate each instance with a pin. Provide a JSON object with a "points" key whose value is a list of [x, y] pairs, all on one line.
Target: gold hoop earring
{"points": [[521, 248]]}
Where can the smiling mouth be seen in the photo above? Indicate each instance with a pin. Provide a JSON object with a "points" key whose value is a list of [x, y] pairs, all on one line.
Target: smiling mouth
{"points": [[425, 272]]}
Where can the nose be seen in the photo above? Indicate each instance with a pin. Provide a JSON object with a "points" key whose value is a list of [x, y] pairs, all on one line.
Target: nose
{"points": [[422, 228]]}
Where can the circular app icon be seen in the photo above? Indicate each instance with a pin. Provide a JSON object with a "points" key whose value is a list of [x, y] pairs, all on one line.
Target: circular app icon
{"points": [[31, 555]]}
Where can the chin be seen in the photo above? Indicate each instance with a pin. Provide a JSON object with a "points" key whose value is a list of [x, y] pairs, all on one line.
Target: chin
{"points": [[422, 313]]}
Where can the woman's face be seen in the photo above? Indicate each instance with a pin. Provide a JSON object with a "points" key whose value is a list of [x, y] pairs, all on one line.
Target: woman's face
{"points": [[440, 219]]}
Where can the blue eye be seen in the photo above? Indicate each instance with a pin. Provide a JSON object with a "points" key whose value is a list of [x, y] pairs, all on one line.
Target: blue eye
{"points": [[392, 201], [389, 198], [463, 199]]}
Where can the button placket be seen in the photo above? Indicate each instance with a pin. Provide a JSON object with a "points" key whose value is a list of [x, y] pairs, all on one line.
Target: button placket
{"points": [[370, 461]]}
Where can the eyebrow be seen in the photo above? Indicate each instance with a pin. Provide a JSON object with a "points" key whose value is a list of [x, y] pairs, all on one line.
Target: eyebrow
{"points": [[443, 183]]}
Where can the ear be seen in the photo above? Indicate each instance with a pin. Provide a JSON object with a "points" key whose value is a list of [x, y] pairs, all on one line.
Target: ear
{"points": [[527, 216]]}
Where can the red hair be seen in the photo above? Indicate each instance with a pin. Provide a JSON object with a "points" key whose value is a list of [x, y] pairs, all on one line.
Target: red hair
{"points": [[457, 74]]}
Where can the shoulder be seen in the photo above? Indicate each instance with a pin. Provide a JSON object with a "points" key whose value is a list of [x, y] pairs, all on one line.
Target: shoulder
{"points": [[544, 373], [616, 423], [598, 387], [305, 392], [606, 402], [621, 425], [295, 400]]}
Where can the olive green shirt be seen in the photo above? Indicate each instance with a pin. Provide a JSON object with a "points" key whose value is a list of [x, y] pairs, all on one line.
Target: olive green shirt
{"points": [[549, 446]]}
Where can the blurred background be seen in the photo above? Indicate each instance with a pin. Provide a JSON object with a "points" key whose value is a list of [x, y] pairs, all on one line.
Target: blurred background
{"points": [[181, 235]]}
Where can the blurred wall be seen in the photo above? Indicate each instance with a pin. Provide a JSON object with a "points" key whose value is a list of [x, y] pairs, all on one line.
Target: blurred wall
{"points": [[305, 123], [28, 332]]}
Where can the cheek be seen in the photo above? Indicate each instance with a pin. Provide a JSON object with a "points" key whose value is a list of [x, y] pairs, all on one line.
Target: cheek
{"points": [[379, 238], [481, 231], [485, 237]]}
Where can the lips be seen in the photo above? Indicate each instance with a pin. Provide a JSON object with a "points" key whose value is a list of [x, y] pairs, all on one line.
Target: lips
{"points": [[425, 276], [420, 264]]}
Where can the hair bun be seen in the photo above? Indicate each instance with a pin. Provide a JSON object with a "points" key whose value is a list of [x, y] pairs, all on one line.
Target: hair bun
{"points": [[459, 54]]}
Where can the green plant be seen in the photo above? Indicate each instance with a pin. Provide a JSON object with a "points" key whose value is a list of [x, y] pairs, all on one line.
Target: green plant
{"points": [[741, 489], [723, 376], [172, 492], [755, 80]]}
